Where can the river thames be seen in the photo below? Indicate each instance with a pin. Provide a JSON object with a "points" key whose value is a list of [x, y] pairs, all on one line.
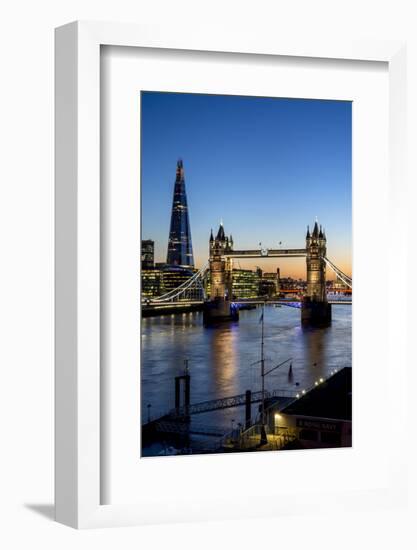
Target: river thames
{"points": [[224, 361]]}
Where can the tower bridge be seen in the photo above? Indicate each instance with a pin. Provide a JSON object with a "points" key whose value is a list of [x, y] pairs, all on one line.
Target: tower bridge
{"points": [[221, 305], [315, 309]]}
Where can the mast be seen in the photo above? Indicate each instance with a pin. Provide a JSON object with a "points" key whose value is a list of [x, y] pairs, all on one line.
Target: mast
{"points": [[263, 367], [264, 439]]}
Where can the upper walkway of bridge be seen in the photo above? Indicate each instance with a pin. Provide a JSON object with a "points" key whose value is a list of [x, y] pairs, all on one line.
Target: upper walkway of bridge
{"points": [[267, 253]]}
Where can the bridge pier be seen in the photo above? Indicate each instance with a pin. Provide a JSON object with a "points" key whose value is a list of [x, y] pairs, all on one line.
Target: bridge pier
{"points": [[219, 311], [315, 314], [315, 309]]}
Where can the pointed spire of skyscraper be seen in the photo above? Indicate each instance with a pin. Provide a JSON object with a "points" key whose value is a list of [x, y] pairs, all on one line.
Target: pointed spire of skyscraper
{"points": [[180, 249], [308, 232], [180, 170], [321, 233], [211, 235], [316, 229]]}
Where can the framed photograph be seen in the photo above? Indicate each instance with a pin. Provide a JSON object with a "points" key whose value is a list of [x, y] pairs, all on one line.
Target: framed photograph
{"points": [[238, 355], [215, 199]]}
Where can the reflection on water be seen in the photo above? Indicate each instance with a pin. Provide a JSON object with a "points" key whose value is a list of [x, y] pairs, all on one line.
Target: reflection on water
{"points": [[223, 361]]}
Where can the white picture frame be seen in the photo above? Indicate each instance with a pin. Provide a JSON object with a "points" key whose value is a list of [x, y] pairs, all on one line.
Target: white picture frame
{"points": [[78, 404]]}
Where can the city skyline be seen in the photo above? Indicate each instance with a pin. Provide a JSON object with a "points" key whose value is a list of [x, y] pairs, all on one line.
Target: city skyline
{"points": [[266, 167]]}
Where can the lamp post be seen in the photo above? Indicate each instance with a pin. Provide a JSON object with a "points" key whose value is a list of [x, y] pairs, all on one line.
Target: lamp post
{"points": [[264, 373]]}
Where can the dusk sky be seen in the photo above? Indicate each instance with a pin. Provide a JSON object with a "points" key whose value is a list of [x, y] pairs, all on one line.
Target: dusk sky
{"points": [[267, 167]]}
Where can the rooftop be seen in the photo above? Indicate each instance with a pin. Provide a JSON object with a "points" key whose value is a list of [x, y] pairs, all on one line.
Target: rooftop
{"points": [[330, 399]]}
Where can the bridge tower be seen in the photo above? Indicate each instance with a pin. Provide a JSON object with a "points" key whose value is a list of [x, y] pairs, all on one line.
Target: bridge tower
{"points": [[220, 307], [316, 311]]}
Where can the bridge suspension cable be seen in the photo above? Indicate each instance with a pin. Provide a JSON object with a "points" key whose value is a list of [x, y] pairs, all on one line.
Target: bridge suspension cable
{"points": [[197, 280], [342, 276], [196, 284]]}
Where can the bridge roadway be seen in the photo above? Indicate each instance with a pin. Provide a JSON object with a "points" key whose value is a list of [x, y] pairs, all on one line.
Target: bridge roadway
{"points": [[189, 303], [286, 302]]}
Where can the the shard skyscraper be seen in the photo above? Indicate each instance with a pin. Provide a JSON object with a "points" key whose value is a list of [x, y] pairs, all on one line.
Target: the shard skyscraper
{"points": [[180, 248]]}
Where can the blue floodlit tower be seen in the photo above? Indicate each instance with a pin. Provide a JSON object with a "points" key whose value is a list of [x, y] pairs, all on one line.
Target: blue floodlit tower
{"points": [[180, 248]]}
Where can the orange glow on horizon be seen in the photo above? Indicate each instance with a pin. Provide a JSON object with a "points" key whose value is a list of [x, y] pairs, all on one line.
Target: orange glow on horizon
{"points": [[294, 268], [291, 267]]}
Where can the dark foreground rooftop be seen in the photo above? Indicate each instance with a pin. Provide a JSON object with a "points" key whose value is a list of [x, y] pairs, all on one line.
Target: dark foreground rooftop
{"points": [[330, 399]]}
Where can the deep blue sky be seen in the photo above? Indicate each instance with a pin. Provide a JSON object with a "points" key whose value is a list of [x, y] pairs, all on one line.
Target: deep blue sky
{"points": [[265, 166]]}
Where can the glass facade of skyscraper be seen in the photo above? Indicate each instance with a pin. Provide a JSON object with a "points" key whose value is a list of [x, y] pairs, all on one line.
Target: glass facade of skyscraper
{"points": [[151, 283], [180, 248], [147, 256], [245, 283], [173, 277]]}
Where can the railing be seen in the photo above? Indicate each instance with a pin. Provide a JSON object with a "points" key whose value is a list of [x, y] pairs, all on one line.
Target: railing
{"points": [[283, 436], [229, 402], [251, 438], [289, 395], [238, 439]]}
